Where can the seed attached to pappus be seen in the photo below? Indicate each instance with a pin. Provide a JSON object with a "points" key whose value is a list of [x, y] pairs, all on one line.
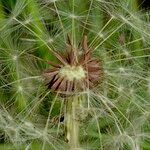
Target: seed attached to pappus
{"points": [[76, 71]]}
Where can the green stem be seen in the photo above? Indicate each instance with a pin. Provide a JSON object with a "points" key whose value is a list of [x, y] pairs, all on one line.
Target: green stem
{"points": [[72, 124]]}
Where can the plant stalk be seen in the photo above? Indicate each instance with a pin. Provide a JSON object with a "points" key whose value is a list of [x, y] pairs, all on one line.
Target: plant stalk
{"points": [[71, 123]]}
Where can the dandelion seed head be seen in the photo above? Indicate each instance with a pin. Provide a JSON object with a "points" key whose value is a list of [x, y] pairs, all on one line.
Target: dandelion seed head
{"points": [[72, 72]]}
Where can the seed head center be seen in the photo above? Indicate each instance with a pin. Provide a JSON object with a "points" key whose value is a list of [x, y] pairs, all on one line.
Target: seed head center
{"points": [[72, 72]]}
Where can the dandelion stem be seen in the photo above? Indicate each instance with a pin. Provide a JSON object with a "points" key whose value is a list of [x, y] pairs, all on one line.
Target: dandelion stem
{"points": [[72, 124]]}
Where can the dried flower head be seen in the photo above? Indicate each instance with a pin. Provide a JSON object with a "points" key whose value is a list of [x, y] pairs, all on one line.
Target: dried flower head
{"points": [[77, 70]]}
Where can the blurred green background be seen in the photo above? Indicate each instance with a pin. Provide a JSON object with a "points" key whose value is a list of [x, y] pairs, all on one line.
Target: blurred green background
{"points": [[119, 33]]}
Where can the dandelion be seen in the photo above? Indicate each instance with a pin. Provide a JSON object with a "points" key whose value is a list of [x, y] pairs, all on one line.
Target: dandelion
{"points": [[76, 71]]}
